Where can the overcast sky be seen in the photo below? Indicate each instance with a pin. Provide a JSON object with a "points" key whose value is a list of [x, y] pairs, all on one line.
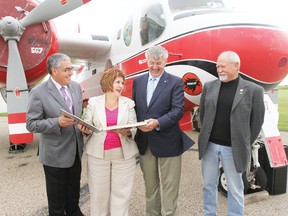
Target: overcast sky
{"points": [[98, 16], [104, 16]]}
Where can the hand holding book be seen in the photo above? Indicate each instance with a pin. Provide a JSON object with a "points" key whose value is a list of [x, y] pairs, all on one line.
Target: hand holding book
{"points": [[97, 130]]}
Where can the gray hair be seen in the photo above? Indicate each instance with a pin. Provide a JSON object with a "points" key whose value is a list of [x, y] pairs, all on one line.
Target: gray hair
{"points": [[55, 61], [232, 56], [156, 52]]}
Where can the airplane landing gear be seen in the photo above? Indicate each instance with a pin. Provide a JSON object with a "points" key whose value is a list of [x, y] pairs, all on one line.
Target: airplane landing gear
{"points": [[254, 179], [16, 148], [196, 119]]}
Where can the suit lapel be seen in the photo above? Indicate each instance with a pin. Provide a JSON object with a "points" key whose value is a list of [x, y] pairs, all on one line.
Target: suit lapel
{"points": [[240, 92], [74, 98], [163, 82], [100, 110], [215, 90], [121, 109], [56, 94], [143, 85]]}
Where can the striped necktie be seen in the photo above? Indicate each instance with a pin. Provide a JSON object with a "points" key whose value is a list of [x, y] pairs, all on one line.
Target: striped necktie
{"points": [[67, 99]]}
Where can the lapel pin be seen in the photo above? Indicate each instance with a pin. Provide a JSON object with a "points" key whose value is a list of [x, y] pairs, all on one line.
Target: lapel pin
{"points": [[241, 91]]}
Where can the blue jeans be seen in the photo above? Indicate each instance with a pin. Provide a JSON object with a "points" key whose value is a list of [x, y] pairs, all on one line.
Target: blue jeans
{"points": [[210, 172]]}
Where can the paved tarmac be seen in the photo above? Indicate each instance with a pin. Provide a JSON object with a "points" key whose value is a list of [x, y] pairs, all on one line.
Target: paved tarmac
{"points": [[22, 185]]}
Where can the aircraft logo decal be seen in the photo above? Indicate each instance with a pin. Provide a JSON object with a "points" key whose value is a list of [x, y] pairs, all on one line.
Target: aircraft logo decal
{"points": [[142, 61], [192, 84]]}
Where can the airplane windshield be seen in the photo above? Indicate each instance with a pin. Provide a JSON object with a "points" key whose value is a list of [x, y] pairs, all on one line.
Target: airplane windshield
{"points": [[152, 23], [180, 5]]}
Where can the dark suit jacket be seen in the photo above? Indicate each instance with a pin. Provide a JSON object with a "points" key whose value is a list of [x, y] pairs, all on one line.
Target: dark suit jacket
{"points": [[57, 146], [247, 116], [167, 106]]}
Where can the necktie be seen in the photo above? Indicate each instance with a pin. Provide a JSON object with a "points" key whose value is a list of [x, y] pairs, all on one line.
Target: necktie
{"points": [[67, 99], [150, 89]]}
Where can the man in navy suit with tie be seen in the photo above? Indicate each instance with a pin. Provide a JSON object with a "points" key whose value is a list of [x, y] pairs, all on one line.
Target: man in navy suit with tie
{"points": [[161, 142]]}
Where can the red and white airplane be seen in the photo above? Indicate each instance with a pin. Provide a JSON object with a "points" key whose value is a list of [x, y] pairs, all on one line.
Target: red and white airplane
{"points": [[194, 33]]}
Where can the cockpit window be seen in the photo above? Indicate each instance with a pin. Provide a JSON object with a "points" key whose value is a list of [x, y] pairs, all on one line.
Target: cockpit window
{"points": [[127, 31], [152, 23], [180, 5]]}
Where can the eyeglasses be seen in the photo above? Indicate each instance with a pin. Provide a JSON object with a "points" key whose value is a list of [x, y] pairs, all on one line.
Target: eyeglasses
{"points": [[68, 69]]}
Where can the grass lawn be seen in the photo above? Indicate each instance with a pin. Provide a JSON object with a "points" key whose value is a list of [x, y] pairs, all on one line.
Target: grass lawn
{"points": [[3, 114], [283, 109]]}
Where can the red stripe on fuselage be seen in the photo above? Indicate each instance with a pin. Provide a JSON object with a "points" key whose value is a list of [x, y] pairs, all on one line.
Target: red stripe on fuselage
{"points": [[263, 51]]}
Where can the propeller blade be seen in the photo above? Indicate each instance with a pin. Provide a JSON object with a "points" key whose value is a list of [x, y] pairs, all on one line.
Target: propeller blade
{"points": [[17, 97], [50, 9]]}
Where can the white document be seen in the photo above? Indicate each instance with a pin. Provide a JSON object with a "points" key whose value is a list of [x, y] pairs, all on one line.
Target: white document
{"points": [[115, 127], [97, 130], [80, 121]]}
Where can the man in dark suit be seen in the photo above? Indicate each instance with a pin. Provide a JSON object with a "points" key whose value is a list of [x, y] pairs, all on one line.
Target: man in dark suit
{"points": [[161, 142], [232, 113], [61, 142]]}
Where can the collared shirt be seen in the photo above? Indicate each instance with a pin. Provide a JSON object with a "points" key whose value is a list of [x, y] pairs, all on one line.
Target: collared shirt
{"points": [[58, 86], [150, 78], [156, 80]]}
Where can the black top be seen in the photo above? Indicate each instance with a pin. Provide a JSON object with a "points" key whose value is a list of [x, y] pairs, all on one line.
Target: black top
{"points": [[221, 133]]}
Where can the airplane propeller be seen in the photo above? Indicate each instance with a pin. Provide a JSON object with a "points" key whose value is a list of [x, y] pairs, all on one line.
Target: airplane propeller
{"points": [[51, 9], [11, 30]]}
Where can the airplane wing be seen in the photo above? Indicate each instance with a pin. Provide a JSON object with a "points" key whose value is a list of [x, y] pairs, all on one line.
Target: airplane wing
{"points": [[84, 46]]}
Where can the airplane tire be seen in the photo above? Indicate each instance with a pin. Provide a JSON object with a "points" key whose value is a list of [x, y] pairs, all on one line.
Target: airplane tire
{"points": [[195, 126], [222, 185], [196, 121], [3, 94], [16, 148]]}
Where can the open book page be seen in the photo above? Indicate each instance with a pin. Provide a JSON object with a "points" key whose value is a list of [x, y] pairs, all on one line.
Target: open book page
{"points": [[115, 127], [80, 121]]}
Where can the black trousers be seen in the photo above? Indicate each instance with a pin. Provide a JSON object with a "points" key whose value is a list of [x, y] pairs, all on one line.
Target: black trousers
{"points": [[63, 189]]}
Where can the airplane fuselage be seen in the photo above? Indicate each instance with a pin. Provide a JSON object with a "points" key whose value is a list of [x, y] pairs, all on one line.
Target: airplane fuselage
{"points": [[194, 38]]}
